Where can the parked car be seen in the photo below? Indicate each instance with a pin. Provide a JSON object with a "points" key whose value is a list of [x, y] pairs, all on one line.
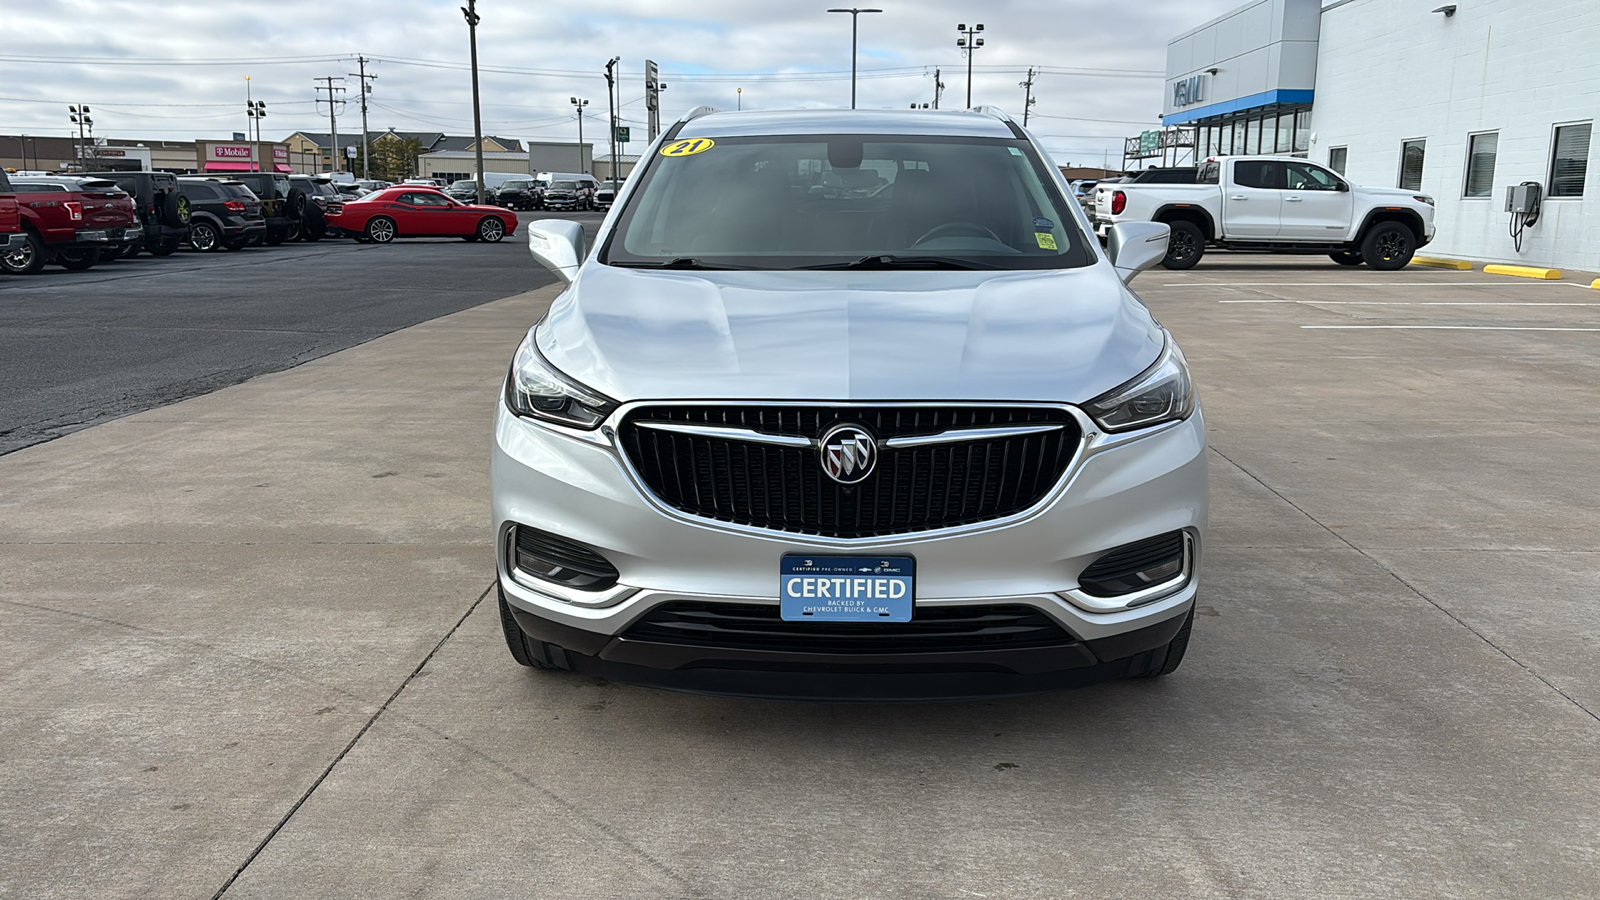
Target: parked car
{"points": [[273, 190], [162, 210], [310, 200], [372, 184], [520, 193], [425, 182], [1278, 204], [604, 196], [11, 236], [466, 190], [574, 192], [416, 211], [924, 443], [222, 214], [69, 220]]}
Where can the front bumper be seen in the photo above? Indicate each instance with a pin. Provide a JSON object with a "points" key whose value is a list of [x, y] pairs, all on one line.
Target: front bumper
{"points": [[1119, 489]]}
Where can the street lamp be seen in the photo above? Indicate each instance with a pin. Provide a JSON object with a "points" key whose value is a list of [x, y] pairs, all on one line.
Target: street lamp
{"points": [[254, 112], [738, 99], [580, 104], [80, 118], [855, 14], [471, 12], [969, 43]]}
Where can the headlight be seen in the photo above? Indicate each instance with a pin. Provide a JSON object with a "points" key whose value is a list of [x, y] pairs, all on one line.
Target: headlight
{"points": [[1422, 198], [535, 389], [1162, 393]]}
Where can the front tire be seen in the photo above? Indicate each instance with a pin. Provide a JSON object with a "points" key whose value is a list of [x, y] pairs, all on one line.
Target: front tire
{"points": [[1389, 246], [1165, 660], [1184, 247], [525, 650], [25, 260], [1346, 258], [166, 247], [203, 236], [380, 230], [491, 230]]}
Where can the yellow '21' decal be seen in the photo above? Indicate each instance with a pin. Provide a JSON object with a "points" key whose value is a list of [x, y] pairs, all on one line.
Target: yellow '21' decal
{"points": [[688, 147]]}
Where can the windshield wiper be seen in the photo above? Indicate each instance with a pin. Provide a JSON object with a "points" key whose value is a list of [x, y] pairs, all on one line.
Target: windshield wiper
{"points": [[681, 262], [887, 261]]}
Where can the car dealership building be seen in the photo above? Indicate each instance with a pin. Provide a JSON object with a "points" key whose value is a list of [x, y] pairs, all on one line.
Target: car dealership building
{"points": [[1459, 101]]}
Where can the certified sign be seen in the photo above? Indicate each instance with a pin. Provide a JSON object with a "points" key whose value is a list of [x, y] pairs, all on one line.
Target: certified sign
{"points": [[846, 588]]}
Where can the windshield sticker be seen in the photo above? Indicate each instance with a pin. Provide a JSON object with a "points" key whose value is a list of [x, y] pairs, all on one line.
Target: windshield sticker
{"points": [[1047, 241], [1042, 224], [689, 147], [1014, 151]]}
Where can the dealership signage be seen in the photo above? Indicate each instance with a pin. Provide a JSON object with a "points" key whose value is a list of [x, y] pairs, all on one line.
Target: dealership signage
{"points": [[1188, 91]]}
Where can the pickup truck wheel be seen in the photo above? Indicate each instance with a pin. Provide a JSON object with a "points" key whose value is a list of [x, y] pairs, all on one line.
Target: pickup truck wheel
{"points": [[1388, 246], [77, 258], [203, 236], [380, 230], [1346, 258], [25, 260], [275, 236], [491, 230], [1184, 247], [111, 252]]}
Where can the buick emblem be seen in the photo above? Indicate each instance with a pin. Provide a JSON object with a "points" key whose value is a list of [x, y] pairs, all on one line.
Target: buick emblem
{"points": [[848, 453]]}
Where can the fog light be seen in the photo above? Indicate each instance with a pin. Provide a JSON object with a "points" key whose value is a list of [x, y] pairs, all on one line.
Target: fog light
{"points": [[1136, 567], [554, 558]]}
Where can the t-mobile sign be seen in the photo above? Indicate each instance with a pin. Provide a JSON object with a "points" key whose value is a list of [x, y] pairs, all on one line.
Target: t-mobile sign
{"points": [[225, 151]]}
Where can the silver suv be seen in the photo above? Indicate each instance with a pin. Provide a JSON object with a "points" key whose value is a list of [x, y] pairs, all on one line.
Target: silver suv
{"points": [[848, 405]]}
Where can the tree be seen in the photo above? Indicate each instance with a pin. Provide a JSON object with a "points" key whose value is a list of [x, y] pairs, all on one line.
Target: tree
{"points": [[393, 159]]}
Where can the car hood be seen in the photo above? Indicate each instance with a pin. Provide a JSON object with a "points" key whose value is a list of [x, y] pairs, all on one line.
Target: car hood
{"points": [[1390, 194], [1057, 336]]}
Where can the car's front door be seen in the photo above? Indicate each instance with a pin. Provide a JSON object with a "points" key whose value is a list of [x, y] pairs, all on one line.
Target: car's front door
{"points": [[1316, 204], [437, 215], [1252, 199]]}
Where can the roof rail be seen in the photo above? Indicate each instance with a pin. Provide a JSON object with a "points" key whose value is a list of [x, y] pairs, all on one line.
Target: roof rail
{"points": [[993, 111], [699, 111]]}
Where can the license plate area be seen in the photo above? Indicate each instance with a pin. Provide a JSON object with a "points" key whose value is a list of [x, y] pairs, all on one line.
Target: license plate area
{"points": [[846, 588]]}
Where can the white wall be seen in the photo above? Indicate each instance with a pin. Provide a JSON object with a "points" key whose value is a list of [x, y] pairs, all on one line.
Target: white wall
{"points": [[1389, 70]]}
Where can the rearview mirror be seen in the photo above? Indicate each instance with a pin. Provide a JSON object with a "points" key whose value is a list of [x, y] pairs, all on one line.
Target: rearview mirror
{"points": [[1135, 246], [558, 245]]}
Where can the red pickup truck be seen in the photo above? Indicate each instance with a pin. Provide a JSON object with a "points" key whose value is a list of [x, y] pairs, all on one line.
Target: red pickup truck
{"points": [[67, 220]]}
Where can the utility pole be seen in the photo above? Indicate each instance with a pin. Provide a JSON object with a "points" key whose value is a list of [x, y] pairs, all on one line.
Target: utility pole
{"points": [[938, 88], [361, 62], [333, 120], [653, 87], [471, 12], [970, 44], [611, 85], [1027, 97]]}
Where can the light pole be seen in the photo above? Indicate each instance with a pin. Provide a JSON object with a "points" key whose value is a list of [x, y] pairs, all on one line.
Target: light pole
{"points": [[970, 44], [471, 12], [738, 99], [254, 112], [612, 101], [855, 15], [80, 118], [580, 104]]}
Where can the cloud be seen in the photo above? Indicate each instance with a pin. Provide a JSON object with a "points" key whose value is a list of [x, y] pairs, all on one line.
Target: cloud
{"points": [[179, 73]]}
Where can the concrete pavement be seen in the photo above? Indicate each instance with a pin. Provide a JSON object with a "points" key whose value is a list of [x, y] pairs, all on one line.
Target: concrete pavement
{"points": [[247, 646]]}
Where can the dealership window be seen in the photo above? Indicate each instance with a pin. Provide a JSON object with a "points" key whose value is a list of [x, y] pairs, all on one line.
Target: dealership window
{"points": [[1336, 158], [1285, 143], [1411, 153], [1481, 152], [1269, 133], [1569, 162]]}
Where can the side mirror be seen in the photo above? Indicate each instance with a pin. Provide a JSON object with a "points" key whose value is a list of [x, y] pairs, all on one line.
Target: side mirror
{"points": [[558, 245], [1344, 187], [1136, 246]]}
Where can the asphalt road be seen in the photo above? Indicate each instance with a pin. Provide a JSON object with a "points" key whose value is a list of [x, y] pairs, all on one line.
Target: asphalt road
{"points": [[80, 348]]}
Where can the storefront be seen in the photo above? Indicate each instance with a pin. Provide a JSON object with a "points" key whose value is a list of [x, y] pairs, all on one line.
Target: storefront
{"points": [[1245, 81], [242, 156]]}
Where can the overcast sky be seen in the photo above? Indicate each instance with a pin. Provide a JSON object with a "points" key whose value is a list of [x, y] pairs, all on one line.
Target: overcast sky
{"points": [[177, 69]]}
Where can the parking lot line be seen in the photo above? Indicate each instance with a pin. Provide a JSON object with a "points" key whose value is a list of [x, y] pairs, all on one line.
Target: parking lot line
{"points": [[1446, 327]]}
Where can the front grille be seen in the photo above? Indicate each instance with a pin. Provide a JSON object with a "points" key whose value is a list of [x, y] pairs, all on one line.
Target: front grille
{"points": [[554, 558], [911, 489], [934, 629], [1118, 571]]}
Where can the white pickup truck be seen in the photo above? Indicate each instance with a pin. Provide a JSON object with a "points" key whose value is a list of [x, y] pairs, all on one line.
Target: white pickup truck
{"points": [[1277, 204]]}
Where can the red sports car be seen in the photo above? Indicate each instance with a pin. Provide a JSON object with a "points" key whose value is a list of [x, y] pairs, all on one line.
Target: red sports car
{"points": [[413, 211]]}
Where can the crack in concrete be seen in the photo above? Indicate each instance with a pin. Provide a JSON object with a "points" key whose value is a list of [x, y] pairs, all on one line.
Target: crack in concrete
{"points": [[1409, 586], [362, 732]]}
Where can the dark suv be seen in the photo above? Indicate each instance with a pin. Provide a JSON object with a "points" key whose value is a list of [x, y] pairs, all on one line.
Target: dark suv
{"points": [[520, 193], [273, 189], [309, 198], [162, 210], [222, 213]]}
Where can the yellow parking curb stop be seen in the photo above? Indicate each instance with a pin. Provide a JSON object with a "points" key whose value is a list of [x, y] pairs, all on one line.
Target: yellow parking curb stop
{"points": [[1595, 284], [1524, 272], [1434, 262]]}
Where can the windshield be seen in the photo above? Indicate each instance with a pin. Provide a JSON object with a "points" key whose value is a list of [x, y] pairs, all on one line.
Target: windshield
{"points": [[564, 186], [804, 201], [516, 185]]}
